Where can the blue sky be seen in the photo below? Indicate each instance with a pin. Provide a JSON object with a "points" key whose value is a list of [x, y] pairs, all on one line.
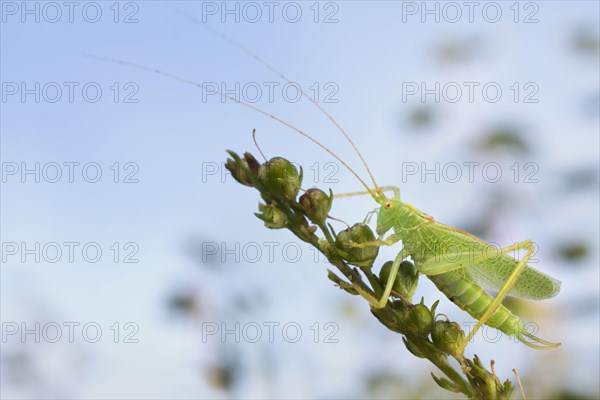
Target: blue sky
{"points": [[168, 138]]}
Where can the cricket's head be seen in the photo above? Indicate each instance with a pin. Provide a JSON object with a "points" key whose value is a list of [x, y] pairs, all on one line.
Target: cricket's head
{"points": [[390, 211], [398, 215]]}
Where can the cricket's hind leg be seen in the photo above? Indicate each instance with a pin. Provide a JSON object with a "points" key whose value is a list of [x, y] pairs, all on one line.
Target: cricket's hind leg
{"points": [[434, 266], [510, 282]]}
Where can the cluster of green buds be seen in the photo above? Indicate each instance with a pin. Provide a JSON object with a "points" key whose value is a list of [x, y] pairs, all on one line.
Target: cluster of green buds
{"points": [[353, 252], [279, 183], [277, 177]]}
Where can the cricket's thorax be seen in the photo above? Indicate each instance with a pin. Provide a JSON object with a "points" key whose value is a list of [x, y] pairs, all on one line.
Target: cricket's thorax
{"points": [[418, 232]]}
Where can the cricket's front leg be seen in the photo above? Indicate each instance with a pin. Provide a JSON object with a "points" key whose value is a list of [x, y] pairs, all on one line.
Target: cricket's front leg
{"points": [[373, 302], [392, 239]]}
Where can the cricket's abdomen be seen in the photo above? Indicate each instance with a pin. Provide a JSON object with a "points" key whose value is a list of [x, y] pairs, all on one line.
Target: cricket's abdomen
{"points": [[472, 299]]}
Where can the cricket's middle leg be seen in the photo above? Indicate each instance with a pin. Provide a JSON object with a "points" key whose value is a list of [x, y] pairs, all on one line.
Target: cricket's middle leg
{"points": [[390, 282]]}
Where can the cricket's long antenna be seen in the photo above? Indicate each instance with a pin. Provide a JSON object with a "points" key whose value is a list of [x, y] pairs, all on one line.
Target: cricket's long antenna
{"points": [[256, 144], [243, 103], [285, 78]]}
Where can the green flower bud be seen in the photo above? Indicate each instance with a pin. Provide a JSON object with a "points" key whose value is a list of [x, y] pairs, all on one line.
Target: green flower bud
{"points": [[240, 169], [488, 383], [413, 348], [316, 205], [446, 384], [420, 319], [273, 217], [447, 336], [406, 280], [507, 388], [360, 256], [280, 178]]}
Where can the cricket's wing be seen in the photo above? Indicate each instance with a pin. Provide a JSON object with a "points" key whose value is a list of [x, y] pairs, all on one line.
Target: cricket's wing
{"points": [[493, 272], [531, 284]]}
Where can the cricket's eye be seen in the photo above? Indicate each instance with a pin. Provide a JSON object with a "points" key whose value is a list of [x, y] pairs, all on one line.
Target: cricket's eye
{"points": [[388, 204]]}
